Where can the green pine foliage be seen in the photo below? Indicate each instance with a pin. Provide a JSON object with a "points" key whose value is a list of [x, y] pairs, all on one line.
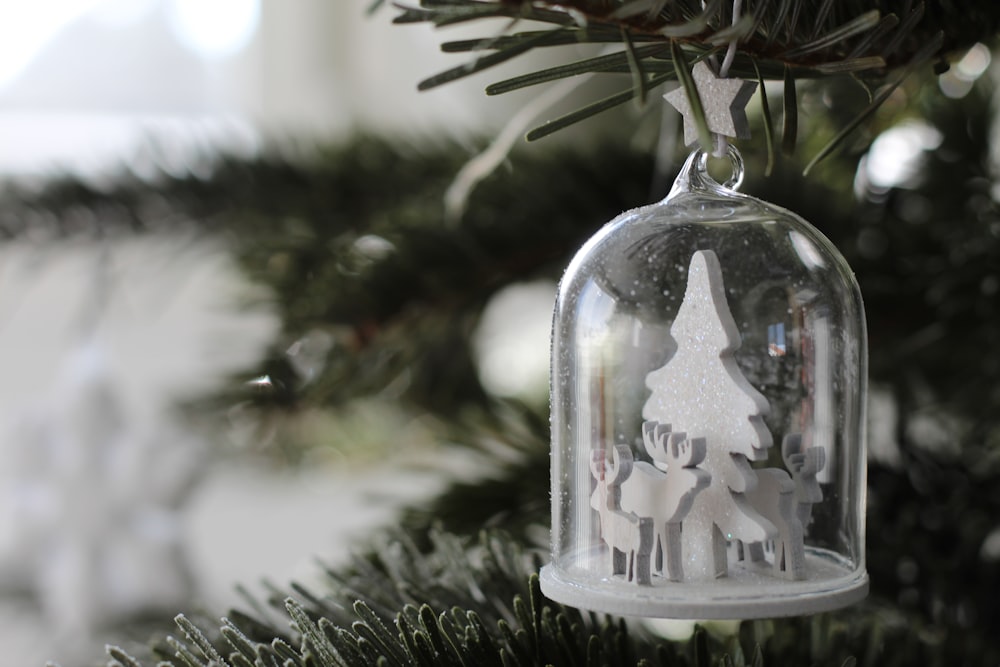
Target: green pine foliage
{"points": [[479, 603], [876, 45]]}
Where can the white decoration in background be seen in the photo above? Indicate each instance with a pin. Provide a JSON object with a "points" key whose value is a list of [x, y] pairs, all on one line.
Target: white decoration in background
{"points": [[511, 343], [308, 355], [883, 418], [97, 342], [896, 157], [94, 529]]}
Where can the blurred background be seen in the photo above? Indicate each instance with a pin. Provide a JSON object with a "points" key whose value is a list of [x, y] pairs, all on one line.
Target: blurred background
{"points": [[114, 502], [93, 84], [190, 193]]}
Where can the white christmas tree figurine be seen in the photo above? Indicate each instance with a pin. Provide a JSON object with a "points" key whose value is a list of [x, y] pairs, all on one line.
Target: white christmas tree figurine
{"points": [[702, 392]]}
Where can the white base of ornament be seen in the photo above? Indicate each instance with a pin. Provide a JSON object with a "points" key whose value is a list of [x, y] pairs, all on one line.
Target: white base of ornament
{"points": [[750, 591]]}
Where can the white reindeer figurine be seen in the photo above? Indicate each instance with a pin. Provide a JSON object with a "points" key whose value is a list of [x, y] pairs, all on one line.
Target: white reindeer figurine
{"points": [[804, 464], [773, 498], [786, 500], [665, 490], [628, 536]]}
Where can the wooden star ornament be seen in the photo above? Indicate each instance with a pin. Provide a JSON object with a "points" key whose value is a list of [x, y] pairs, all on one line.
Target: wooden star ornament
{"points": [[724, 102]]}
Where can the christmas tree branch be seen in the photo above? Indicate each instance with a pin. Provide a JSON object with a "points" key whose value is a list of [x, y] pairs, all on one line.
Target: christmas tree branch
{"points": [[769, 41], [354, 245], [426, 594]]}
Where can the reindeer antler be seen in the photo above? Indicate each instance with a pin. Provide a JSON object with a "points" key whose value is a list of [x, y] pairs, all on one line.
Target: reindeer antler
{"points": [[799, 461], [619, 468], [686, 453], [621, 464], [597, 464], [791, 450], [803, 464], [654, 438], [672, 448]]}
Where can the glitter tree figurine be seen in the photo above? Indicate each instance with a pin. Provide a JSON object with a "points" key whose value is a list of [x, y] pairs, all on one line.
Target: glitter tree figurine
{"points": [[702, 391]]}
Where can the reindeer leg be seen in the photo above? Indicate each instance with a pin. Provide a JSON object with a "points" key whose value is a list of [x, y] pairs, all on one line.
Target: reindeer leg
{"points": [[642, 574], [719, 557], [659, 557], [795, 556], [619, 561], [675, 561], [643, 552]]}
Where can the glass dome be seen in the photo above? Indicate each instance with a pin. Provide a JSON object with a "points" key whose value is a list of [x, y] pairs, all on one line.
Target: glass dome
{"points": [[708, 401]]}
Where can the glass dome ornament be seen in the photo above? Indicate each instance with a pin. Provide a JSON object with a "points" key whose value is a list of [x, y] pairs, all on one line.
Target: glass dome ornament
{"points": [[708, 400]]}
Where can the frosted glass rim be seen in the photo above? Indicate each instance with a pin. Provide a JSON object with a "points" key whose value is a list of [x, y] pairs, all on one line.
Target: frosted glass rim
{"points": [[711, 601]]}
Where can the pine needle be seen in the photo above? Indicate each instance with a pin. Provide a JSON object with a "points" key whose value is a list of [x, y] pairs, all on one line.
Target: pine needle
{"points": [[782, 37], [602, 63], [593, 109], [765, 109], [790, 129]]}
